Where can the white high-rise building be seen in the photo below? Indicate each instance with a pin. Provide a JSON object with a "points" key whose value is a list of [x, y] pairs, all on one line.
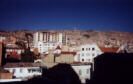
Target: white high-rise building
{"points": [[60, 37], [45, 41]]}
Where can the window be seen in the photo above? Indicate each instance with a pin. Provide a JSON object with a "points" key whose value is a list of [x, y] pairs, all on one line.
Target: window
{"points": [[80, 73], [87, 49], [87, 71], [29, 70], [82, 49], [82, 60], [21, 70], [93, 49]]}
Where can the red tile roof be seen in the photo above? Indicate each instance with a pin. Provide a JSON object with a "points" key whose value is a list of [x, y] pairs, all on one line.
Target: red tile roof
{"points": [[13, 55], [121, 51], [74, 53], [58, 47], [108, 49], [64, 52]]}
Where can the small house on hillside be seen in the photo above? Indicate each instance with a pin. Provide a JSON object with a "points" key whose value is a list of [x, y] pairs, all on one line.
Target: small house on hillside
{"points": [[24, 70]]}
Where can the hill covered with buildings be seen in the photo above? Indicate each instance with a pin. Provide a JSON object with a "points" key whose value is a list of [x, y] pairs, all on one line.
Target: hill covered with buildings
{"points": [[78, 37]]}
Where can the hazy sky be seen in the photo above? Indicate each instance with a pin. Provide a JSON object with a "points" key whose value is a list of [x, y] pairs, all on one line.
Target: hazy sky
{"points": [[66, 14]]}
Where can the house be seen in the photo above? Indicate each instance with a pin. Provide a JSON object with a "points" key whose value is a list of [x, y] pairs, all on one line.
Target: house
{"points": [[58, 56], [24, 70], [2, 38], [65, 48], [4, 74], [108, 49], [57, 50], [65, 57], [14, 52], [87, 53], [7, 77], [83, 70], [111, 49], [49, 60], [8, 40]]}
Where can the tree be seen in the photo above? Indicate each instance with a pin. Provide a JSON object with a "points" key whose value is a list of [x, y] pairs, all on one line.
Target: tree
{"points": [[28, 56], [20, 44]]}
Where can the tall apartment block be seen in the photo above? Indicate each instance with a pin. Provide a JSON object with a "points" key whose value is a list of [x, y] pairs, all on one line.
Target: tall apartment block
{"points": [[45, 41], [50, 37]]}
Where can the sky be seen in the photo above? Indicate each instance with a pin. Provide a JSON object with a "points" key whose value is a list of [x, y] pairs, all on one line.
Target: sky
{"points": [[103, 15]]}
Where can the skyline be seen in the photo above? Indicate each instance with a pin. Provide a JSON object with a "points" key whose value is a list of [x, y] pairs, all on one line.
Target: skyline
{"points": [[103, 15]]}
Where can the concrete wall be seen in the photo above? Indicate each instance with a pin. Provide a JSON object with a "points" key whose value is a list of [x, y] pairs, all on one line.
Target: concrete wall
{"points": [[48, 59], [65, 58], [83, 71]]}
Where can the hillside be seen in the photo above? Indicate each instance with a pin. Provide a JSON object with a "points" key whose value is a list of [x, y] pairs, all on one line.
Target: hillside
{"points": [[114, 38]]}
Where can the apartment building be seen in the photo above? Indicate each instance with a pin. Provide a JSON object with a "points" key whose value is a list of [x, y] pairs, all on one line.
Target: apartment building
{"points": [[46, 41], [87, 53]]}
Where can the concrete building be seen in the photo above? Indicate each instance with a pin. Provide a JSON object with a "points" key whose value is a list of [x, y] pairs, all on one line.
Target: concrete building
{"points": [[48, 37], [8, 40], [83, 70], [45, 47], [24, 70], [4, 74], [14, 52], [87, 53], [65, 57], [44, 41], [2, 38]]}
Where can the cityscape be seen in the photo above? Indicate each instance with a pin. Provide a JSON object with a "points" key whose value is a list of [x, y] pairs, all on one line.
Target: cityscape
{"points": [[83, 51]]}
